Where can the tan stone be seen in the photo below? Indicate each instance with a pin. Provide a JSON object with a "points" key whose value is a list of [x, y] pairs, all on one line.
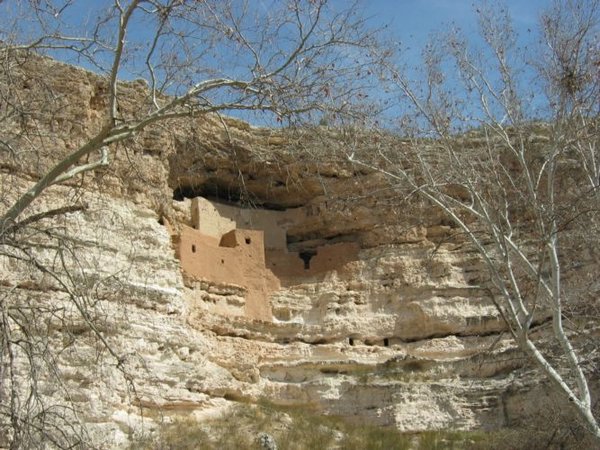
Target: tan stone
{"points": [[216, 219], [385, 326]]}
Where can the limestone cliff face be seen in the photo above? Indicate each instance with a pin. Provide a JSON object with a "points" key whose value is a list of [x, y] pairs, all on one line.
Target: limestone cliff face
{"points": [[394, 332]]}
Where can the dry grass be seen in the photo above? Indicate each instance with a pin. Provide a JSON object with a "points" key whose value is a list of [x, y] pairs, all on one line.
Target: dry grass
{"points": [[300, 429]]}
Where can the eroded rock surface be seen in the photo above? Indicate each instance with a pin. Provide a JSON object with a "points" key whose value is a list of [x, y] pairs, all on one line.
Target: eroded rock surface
{"points": [[397, 334]]}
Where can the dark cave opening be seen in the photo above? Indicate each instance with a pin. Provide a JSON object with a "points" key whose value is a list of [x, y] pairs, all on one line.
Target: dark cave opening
{"points": [[211, 191], [221, 193], [306, 256]]}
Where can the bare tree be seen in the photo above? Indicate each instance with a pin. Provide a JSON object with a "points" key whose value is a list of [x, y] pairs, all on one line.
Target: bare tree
{"points": [[504, 141], [200, 58], [288, 60]]}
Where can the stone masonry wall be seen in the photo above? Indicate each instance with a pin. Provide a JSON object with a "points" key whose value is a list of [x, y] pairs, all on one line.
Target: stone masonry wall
{"points": [[220, 249], [291, 267], [215, 219], [237, 258]]}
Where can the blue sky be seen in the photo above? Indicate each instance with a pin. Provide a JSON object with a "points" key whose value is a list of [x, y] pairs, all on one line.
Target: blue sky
{"points": [[410, 22], [418, 18], [413, 22]]}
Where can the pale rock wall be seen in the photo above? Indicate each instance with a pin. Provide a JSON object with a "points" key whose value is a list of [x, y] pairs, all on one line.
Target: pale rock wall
{"points": [[394, 333], [124, 257], [186, 359]]}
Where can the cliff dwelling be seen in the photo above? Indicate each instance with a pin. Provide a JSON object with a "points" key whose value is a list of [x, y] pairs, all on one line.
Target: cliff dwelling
{"points": [[247, 248]]}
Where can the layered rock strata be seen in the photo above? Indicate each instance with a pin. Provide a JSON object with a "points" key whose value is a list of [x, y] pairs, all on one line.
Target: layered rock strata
{"points": [[358, 305]]}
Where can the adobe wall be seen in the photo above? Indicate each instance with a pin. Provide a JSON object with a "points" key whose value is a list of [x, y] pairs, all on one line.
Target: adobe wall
{"points": [[236, 258], [248, 248], [327, 258], [334, 256], [208, 220], [216, 219]]}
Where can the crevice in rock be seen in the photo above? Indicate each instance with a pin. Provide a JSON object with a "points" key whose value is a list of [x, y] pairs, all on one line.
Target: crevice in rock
{"points": [[536, 324], [309, 242], [219, 192]]}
